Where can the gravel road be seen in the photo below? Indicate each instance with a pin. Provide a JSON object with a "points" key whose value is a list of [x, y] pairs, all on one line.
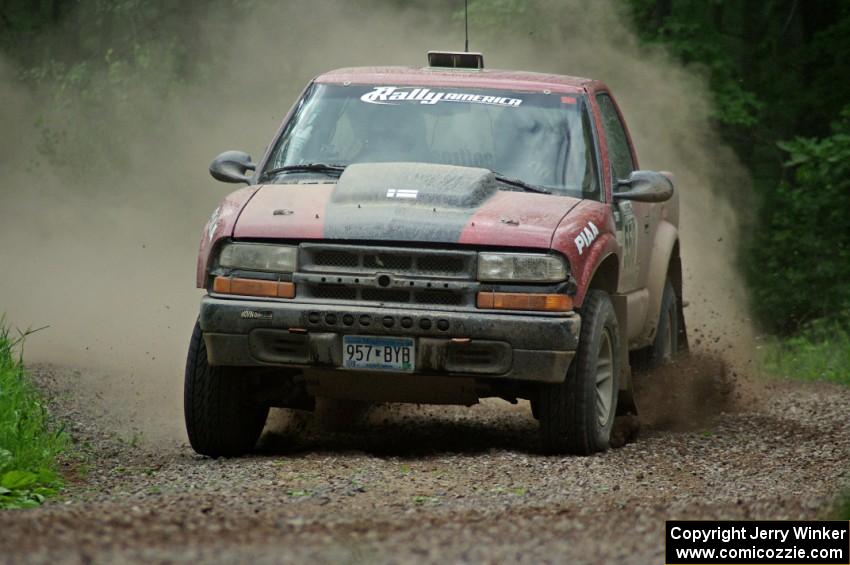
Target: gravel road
{"points": [[442, 484]]}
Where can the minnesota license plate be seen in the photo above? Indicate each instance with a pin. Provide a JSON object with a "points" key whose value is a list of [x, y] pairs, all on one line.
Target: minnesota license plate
{"points": [[378, 353]]}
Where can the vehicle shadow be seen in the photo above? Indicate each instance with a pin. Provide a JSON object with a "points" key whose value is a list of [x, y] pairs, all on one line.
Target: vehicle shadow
{"points": [[403, 430]]}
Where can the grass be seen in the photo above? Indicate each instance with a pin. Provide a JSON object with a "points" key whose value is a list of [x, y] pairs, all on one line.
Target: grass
{"points": [[842, 509], [29, 445], [821, 351]]}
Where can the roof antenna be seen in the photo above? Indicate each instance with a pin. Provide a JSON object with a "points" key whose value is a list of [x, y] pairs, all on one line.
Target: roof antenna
{"points": [[466, 24]]}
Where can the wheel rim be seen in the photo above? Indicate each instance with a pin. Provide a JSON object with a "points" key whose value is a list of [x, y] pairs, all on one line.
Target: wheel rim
{"points": [[604, 379]]}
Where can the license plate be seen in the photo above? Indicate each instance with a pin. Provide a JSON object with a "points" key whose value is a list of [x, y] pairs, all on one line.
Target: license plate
{"points": [[379, 353]]}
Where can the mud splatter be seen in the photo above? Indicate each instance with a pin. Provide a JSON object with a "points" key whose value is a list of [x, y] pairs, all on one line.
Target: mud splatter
{"points": [[689, 393]]}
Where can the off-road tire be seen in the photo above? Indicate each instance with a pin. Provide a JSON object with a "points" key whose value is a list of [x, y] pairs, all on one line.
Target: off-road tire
{"points": [[653, 356], [222, 420], [666, 341], [569, 418]]}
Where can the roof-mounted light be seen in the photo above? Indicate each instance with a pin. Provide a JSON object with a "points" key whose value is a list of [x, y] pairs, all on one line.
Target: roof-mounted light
{"points": [[455, 60]]}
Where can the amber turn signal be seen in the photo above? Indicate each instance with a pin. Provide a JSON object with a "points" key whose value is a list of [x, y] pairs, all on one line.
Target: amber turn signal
{"points": [[254, 287], [524, 301]]}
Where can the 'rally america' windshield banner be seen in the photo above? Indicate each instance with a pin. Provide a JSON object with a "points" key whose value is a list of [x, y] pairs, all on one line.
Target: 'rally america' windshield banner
{"points": [[392, 95]]}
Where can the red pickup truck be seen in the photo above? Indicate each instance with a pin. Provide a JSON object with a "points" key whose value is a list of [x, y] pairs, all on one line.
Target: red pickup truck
{"points": [[437, 235]]}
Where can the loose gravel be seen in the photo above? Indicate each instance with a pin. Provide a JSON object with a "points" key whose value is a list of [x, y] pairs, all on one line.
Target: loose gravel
{"points": [[441, 484]]}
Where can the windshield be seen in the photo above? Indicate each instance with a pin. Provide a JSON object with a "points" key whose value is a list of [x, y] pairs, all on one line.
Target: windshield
{"points": [[541, 139]]}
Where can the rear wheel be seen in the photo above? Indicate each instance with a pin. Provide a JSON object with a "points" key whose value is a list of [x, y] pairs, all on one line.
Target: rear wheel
{"points": [[577, 415], [667, 339], [666, 343], [222, 418]]}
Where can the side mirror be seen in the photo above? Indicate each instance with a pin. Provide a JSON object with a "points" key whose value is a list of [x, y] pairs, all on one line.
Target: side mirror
{"points": [[232, 166], [645, 186]]}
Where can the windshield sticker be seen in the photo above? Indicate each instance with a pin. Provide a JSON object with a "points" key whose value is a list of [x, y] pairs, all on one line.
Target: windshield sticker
{"points": [[392, 95]]}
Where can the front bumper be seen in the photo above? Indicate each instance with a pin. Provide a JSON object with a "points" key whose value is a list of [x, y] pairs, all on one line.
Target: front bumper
{"points": [[523, 347]]}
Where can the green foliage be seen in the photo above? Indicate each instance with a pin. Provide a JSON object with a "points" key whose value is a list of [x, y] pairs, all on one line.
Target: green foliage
{"points": [[685, 33], [821, 351], [842, 510], [28, 444], [109, 69], [777, 72], [126, 63], [801, 256]]}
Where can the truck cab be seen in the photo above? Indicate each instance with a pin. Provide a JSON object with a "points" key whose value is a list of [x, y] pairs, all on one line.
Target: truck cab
{"points": [[436, 235]]}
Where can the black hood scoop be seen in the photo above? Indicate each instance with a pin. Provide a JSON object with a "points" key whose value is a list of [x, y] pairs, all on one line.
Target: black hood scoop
{"points": [[423, 184]]}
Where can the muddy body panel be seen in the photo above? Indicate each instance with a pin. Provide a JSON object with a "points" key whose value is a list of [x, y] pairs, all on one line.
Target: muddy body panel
{"points": [[384, 192], [303, 335]]}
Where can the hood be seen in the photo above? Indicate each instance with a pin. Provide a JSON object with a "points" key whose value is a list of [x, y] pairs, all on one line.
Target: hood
{"points": [[405, 202]]}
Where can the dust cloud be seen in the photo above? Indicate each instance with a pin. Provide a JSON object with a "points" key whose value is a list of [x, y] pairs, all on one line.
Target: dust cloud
{"points": [[690, 393], [102, 248]]}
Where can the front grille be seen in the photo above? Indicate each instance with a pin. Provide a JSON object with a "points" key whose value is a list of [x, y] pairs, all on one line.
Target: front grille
{"points": [[334, 292], [417, 277], [331, 258], [440, 265], [385, 262]]}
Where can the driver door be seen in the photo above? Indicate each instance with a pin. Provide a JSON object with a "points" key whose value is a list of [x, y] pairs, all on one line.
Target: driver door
{"points": [[630, 218]]}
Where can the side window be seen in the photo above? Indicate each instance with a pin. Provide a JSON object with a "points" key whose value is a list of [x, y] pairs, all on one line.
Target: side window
{"points": [[589, 185], [618, 144]]}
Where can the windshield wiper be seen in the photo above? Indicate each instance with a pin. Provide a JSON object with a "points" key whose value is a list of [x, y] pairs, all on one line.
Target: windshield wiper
{"points": [[306, 168], [528, 187]]}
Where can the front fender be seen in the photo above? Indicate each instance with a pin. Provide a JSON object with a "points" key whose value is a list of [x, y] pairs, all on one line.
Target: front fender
{"points": [[220, 225], [586, 237], [604, 247]]}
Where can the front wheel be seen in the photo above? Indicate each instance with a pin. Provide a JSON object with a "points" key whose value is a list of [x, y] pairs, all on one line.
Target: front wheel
{"points": [[577, 415], [222, 419]]}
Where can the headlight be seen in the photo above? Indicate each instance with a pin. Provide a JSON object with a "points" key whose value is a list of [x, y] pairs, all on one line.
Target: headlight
{"points": [[259, 257], [521, 267]]}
